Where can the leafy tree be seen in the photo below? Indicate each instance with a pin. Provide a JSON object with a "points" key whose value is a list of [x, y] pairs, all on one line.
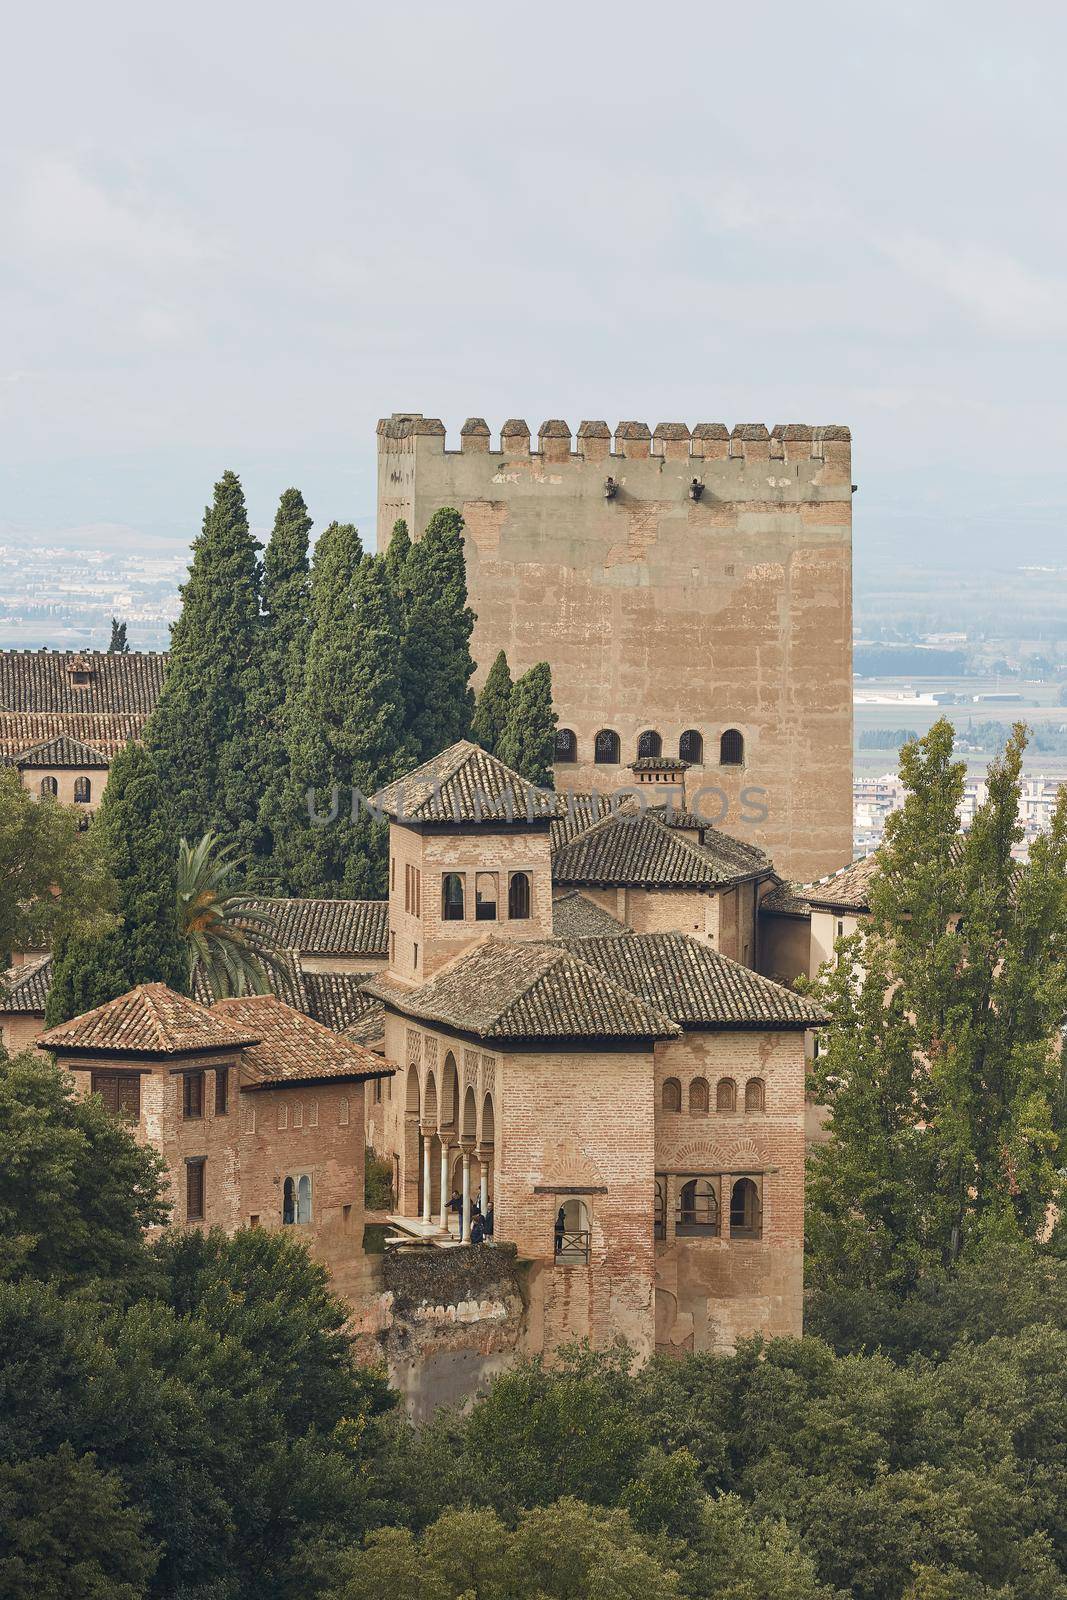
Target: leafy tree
{"points": [[42, 852], [437, 628], [76, 1189], [263, 1289], [529, 740], [66, 1532], [348, 734], [229, 942], [491, 709], [286, 628], [200, 729], [940, 1069], [566, 1552], [118, 645], [137, 842]]}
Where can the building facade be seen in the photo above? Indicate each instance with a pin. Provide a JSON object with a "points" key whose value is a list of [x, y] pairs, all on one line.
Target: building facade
{"points": [[691, 589]]}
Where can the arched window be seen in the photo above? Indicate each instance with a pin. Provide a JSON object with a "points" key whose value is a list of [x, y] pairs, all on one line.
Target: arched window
{"points": [[731, 748], [485, 892], [746, 1213], [606, 748], [303, 1199], [519, 896], [754, 1095], [566, 746], [83, 791], [571, 1233], [698, 1097], [49, 786], [691, 747], [452, 897], [698, 1207], [726, 1095], [659, 1210], [288, 1201], [649, 744], [672, 1095]]}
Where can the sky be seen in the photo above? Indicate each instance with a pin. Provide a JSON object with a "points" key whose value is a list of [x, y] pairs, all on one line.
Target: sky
{"points": [[235, 236]]}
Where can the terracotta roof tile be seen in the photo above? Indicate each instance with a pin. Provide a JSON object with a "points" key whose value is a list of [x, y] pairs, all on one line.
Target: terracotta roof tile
{"points": [[510, 989], [641, 851], [686, 979], [291, 1047], [575, 916], [61, 751], [369, 1029], [42, 681], [149, 1020], [464, 784], [577, 813], [104, 731], [788, 900], [27, 987], [329, 927], [847, 890], [336, 998]]}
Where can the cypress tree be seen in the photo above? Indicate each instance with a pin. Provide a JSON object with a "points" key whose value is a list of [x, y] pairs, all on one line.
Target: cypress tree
{"points": [[142, 850], [200, 730], [285, 631], [348, 730], [940, 1068], [529, 739], [118, 645], [396, 556], [491, 710], [437, 627]]}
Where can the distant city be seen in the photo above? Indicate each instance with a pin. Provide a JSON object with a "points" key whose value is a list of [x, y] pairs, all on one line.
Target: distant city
{"points": [[64, 596]]}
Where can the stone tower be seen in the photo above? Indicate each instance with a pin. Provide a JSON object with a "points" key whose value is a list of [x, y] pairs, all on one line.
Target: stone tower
{"points": [[692, 590]]}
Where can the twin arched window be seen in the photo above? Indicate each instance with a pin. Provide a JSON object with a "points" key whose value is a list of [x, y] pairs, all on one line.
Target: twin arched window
{"points": [[83, 791], [746, 1212], [566, 746], [731, 748], [606, 748]]}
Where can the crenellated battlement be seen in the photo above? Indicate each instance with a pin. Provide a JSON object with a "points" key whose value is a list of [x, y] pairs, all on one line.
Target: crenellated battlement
{"points": [[671, 441]]}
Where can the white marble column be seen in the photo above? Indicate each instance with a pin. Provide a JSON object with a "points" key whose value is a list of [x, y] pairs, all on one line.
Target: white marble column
{"points": [[426, 1177], [445, 1196], [483, 1183], [466, 1233]]}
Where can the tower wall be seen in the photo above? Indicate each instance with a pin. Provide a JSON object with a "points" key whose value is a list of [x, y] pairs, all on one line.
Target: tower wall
{"points": [[663, 604]]}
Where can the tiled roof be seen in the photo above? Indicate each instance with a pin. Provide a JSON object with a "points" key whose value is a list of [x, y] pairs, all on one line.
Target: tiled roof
{"points": [[689, 981], [42, 681], [788, 900], [464, 784], [369, 1029], [509, 989], [284, 973], [104, 731], [336, 998], [61, 751], [576, 813], [25, 988], [575, 916], [641, 851], [847, 890], [149, 1020], [291, 1047], [329, 927]]}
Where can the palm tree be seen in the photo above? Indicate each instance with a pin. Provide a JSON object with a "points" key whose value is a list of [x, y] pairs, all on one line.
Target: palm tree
{"points": [[232, 943]]}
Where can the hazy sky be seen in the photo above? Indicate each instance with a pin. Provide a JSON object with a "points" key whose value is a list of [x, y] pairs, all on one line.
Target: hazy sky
{"points": [[236, 235]]}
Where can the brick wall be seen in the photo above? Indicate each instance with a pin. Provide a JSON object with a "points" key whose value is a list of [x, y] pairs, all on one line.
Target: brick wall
{"points": [[712, 1290]]}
